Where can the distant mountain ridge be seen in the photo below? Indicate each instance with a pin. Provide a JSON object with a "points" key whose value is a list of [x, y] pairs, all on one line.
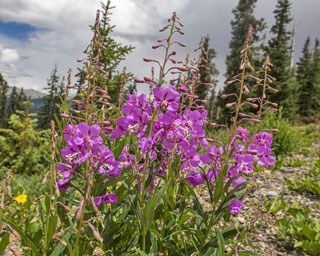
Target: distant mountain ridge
{"points": [[35, 96], [32, 93]]}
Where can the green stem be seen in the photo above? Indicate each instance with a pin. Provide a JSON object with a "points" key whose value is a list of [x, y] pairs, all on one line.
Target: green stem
{"points": [[162, 68], [263, 89], [243, 76]]}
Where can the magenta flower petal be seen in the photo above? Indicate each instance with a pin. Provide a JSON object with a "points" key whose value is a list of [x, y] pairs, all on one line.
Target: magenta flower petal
{"points": [[196, 178], [235, 207], [238, 182]]}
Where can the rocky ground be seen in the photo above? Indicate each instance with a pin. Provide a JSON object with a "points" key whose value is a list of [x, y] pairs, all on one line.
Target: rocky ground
{"points": [[269, 184]]}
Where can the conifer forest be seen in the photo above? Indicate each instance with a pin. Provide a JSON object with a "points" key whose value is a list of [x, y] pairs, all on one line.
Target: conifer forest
{"points": [[193, 164]]}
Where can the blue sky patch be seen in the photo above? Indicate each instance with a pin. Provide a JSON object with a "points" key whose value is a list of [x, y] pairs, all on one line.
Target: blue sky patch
{"points": [[15, 30]]}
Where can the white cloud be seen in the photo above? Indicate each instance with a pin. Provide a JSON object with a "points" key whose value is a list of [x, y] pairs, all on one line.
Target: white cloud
{"points": [[63, 32], [8, 55]]}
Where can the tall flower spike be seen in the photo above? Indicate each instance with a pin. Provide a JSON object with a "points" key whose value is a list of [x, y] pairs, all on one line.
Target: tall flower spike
{"points": [[242, 77], [174, 27], [267, 80]]}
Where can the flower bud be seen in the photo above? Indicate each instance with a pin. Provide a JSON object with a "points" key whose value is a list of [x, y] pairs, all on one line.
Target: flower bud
{"points": [[13, 231], [223, 96], [63, 115], [182, 89], [245, 89], [148, 80], [95, 233], [231, 81], [252, 104], [148, 60], [182, 69], [61, 241], [79, 211], [272, 89], [157, 46], [67, 208], [161, 40], [230, 105]]}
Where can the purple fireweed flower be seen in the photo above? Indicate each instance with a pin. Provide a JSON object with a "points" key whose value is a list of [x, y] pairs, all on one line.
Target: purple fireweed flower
{"points": [[136, 104], [212, 174], [166, 97], [82, 140], [211, 156], [69, 131], [63, 184], [263, 139], [262, 154], [107, 163], [122, 127], [196, 178], [77, 153], [190, 159], [193, 122], [235, 206], [266, 160], [145, 144], [243, 164], [106, 199], [238, 182], [137, 117], [240, 148], [243, 134], [111, 168], [66, 169], [126, 159]]}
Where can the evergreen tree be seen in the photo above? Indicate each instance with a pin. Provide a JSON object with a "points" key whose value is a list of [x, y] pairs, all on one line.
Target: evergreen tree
{"points": [[279, 50], [22, 97], [13, 102], [23, 149], [3, 100], [111, 56], [308, 77], [55, 90], [304, 78], [243, 18], [315, 97]]}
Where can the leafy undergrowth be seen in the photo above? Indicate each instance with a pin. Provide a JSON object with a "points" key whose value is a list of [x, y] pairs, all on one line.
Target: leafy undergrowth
{"points": [[284, 211], [298, 223]]}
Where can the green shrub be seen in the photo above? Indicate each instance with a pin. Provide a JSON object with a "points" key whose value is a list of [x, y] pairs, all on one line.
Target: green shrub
{"points": [[285, 141], [308, 183], [23, 149], [298, 228]]}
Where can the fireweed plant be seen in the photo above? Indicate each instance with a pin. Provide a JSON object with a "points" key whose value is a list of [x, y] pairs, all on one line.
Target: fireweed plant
{"points": [[130, 185]]}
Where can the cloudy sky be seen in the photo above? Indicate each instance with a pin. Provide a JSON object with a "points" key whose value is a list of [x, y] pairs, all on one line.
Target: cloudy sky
{"points": [[35, 34]]}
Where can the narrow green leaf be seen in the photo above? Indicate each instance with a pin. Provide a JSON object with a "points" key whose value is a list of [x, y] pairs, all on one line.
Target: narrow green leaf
{"points": [[219, 185], [52, 227], [24, 237], [47, 204], [152, 205], [221, 244], [141, 253], [4, 242], [210, 252], [247, 253], [119, 145]]}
